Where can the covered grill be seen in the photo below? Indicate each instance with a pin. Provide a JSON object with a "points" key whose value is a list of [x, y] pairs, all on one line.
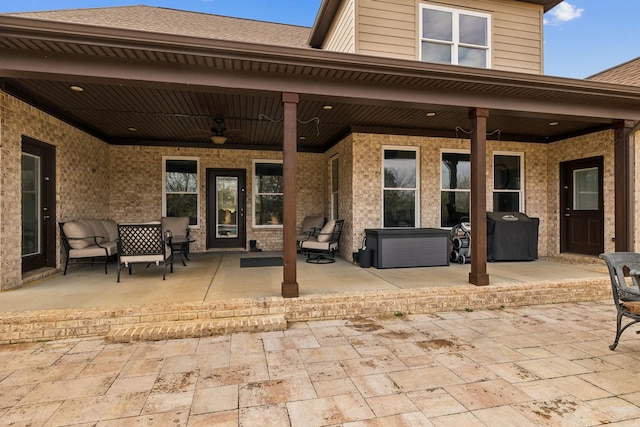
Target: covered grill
{"points": [[511, 236]]}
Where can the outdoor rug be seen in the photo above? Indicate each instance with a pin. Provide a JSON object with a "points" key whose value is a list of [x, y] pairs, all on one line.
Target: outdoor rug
{"points": [[273, 261]]}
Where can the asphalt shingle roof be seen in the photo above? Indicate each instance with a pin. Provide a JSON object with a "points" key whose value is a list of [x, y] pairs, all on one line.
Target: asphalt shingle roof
{"points": [[173, 21], [625, 74]]}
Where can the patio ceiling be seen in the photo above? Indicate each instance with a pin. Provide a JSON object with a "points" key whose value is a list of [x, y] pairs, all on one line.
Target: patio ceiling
{"points": [[170, 88]]}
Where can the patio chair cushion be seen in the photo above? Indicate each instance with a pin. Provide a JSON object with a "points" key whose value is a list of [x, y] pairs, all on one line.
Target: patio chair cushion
{"points": [[310, 224], [79, 234], [178, 225], [326, 232], [98, 230], [111, 227], [95, 251]]}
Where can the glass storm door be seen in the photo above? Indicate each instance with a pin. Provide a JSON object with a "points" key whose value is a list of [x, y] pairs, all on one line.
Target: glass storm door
{"points": [[38, 205], [582, 207], [226, 208]]}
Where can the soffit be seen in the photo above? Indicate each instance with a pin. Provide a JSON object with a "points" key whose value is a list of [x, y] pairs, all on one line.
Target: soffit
{"points": [[171, 87]]}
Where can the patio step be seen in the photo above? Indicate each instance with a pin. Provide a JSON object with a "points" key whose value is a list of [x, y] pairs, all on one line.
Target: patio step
{"points": [[194, 328]]}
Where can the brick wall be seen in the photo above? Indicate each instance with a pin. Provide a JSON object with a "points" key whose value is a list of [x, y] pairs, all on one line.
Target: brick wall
{"points": [[82, 182], [139, 172], [367, 179]]}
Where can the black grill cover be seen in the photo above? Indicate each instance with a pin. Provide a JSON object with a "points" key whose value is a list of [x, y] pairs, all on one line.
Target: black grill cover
{"points": [[511, 236]]}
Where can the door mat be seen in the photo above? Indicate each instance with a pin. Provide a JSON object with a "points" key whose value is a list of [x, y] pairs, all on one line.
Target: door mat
{"points": [[274, 261]]}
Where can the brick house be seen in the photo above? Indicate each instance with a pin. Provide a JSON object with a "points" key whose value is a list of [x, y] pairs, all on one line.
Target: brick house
{"points": [[263, 123]]}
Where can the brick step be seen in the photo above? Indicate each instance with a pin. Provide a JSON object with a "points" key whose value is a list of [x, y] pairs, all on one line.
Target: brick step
{"points": [[194, 328]]}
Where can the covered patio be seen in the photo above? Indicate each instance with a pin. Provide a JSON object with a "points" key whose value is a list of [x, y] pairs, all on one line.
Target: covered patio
{"points": [[213, 295], [138, 96]]}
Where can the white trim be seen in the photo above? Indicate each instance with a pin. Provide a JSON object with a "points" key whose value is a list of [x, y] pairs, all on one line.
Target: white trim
{"points": [[522, 197], [197, 192], [333, 201], [455, 42], [416, 150], [254, 193], [455, 190]]}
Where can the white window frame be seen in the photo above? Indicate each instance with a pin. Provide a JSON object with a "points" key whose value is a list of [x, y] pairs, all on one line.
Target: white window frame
{"points": [[416, 188], [334, 193], [461, 190], [254, 194], [455, 43], [197, 192], [521, 198]]}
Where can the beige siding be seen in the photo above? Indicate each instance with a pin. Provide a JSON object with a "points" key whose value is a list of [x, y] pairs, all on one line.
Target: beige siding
{"points": [[342, 35], [390, 28], [387, 28]]}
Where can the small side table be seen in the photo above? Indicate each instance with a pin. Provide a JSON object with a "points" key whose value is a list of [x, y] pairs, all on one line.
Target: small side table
{"points": [[181, 244]]}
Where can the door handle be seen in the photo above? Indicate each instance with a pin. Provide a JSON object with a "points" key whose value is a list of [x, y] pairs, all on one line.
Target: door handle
{"points": [[47, 217]]}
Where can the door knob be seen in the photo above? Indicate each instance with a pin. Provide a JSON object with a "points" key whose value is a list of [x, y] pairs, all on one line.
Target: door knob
{"points": [[567, 214]]}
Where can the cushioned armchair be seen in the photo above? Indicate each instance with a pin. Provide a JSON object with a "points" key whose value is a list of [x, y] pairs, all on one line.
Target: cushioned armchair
{"points": [[87, 239], [311, 225], [178, 226], [321, 247], [143, 243]]}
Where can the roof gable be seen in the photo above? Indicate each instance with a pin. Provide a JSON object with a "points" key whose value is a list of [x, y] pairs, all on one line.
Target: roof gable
{"points": [[179, 22]]}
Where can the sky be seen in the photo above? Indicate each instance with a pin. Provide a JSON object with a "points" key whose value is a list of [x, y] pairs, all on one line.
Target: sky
{"points": [[582, 37]]}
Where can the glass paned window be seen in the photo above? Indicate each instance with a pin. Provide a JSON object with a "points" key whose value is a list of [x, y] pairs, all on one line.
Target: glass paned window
{"points": [[268, 195], [585, 193], [400, 198], [452, 36], [455, 188], [507, 183], [181, 188], [30, 205], [437, 24], [334, 188], [473, 30]]}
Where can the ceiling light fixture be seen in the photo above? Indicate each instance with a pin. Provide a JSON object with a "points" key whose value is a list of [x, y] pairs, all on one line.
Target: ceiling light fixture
{"points": [[327, 107], [431, 114], [76, 88], [218, 139], [553, 123], [132, 129], [302, 138]]}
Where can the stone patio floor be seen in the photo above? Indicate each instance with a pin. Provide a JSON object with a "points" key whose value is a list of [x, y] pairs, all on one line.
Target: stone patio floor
{"points": [[545, 365]]}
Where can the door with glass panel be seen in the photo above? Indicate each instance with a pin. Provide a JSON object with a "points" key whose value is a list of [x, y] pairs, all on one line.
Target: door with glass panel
{"points": [[38, 205], [226, 201], [582, 206]]}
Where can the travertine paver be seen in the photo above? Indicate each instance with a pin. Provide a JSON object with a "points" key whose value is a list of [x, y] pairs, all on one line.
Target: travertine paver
{"points": [[542, 365]]}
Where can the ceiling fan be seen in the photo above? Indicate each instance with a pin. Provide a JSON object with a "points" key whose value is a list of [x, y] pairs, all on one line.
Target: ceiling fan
{"points": [[219, 134]]}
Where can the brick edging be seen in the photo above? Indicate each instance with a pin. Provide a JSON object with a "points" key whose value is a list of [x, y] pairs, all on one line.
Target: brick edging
{"points": [[47, 325]]}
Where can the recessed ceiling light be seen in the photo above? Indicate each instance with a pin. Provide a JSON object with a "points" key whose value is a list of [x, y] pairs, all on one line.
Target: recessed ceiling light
{"points": [[327, 107], [76, 88], [553, 123], [302, 138], [431, 114], [132, 129]]}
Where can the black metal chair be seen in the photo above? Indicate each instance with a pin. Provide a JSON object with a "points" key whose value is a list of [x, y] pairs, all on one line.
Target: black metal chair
{"points": [[624, 270], [144, 243], [321, 247]]}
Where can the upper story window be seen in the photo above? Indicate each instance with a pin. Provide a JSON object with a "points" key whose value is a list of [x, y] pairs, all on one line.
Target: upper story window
{"points": [[401, 175], [268, 196], [452, 36], [180, 188]]}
